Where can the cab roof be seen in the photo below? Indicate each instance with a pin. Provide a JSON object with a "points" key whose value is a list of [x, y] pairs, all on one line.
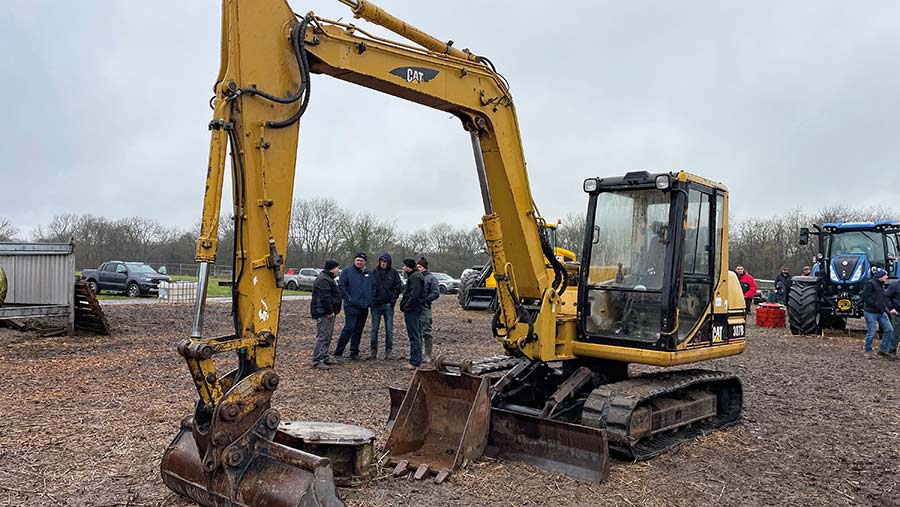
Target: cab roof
{"points": [[861, 226]]}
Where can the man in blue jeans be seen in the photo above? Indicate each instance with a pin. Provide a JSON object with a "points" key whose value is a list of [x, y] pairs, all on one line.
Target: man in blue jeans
{"points": [[411, 305], [875, 310], [386, 288], [356, 290]]}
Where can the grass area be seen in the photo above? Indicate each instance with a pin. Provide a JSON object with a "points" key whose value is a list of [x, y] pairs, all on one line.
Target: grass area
{"points": [[213, 289]]}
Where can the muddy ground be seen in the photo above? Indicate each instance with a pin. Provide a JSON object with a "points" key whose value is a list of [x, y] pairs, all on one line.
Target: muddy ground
{"points": [[85, 419]]}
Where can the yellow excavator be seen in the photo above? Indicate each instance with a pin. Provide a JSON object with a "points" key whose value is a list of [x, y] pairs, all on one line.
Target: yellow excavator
{"points": [[478, 287], [652, 287]]}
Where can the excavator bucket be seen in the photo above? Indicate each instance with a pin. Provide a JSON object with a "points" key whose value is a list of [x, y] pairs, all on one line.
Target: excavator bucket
{"points": [[442, 423], [260, 473]]}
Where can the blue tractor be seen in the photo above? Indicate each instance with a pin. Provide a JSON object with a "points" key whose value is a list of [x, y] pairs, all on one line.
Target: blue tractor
{"points": [[847, 253]]}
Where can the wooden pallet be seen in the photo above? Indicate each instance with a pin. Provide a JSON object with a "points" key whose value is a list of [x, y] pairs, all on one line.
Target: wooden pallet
{"points": [[88, 314]]}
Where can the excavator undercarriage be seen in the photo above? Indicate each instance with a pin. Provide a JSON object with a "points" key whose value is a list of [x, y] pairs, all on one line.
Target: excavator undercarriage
{"points": [[562, 419]]}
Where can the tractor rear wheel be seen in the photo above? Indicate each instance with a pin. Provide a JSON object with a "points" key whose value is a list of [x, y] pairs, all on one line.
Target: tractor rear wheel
{"points": [[470, 279], [803, 308]]}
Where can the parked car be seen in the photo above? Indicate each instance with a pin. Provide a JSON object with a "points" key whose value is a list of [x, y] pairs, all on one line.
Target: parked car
{"points": [[303, 279], [131, 278], [446, 283]]}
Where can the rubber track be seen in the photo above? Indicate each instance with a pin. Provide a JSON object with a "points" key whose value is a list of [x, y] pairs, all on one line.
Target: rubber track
{"points": [[611, 406]]}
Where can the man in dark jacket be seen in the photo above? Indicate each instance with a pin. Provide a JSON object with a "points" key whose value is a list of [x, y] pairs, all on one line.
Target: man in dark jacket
{"points": [[893, 295], [411, 305], [386, 287], [324, 307], [876, 308], [782, 285], [432, 292], [356, 290]]}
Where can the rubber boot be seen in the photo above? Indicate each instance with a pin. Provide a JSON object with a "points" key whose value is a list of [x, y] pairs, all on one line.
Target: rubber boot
{"points": [[427, 342]]}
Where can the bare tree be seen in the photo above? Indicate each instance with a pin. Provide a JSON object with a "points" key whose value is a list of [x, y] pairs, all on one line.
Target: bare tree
{"points": [[570, 233], [140, 233], [61, 229], [365, 233], [315, 231], [8, 232]]}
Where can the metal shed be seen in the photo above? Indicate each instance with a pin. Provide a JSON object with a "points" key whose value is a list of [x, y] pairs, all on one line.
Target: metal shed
{"points": [[40, 280]]}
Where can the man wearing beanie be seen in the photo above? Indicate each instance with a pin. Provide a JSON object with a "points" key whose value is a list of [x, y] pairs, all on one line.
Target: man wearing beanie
{"points": [[387, 287], [875, 310], [356, 290], [411, 305], [432, 292], [324, 307]]}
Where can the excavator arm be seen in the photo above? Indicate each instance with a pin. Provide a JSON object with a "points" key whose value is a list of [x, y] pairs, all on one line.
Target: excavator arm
{"points": [[468, 87]]}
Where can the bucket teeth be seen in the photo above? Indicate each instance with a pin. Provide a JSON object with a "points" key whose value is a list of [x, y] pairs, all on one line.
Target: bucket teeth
{"points": [[401, 467], [421, 471], [441, 476]]}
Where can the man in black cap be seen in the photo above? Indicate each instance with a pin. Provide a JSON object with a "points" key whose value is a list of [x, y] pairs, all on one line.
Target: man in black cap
{"points": [[387, 287], [324, 307], [356, 289], [411, 305], [432, 292]]}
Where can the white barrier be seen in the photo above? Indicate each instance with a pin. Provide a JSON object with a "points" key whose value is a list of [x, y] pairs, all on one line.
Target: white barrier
{"points": [[177, 292]]}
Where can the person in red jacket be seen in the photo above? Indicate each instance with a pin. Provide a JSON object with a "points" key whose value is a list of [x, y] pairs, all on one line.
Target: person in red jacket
{"points": [[748, 285]]}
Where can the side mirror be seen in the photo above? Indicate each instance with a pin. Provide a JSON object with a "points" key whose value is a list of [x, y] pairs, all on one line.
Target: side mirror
{"points": [[804, 235]]}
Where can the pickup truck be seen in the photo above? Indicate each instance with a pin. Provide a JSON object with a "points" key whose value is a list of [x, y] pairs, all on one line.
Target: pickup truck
{"points": [[302, 279], [131, 278]]}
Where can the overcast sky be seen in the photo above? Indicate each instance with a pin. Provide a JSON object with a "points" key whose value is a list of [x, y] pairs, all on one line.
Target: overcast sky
{"points": [[788, 103]]}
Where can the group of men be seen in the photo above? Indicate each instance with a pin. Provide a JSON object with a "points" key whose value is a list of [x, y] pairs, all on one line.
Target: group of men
{"points": [[358, 290]]}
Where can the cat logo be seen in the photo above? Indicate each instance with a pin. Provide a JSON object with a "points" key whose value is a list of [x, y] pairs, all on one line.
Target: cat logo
{"points": [[415, 74], [717, 334]]}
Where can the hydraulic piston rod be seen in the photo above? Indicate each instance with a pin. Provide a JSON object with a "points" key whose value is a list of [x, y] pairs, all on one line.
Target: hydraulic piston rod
{"points": [[374, 14]]}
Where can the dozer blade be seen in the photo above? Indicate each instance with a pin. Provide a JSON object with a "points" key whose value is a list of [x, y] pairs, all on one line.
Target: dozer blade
{"points": [[261, 473], [571, 449], [441, 423]]}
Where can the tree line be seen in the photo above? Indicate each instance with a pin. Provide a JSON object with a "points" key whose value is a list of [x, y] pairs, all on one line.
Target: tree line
{"points": [[321, 229]]}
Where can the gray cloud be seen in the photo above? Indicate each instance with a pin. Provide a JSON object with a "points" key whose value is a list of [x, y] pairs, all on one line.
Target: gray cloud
{"points": [[790, 104]]}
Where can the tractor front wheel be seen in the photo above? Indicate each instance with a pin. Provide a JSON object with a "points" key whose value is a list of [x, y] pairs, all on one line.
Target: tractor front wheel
{"points": [[803, 309]]}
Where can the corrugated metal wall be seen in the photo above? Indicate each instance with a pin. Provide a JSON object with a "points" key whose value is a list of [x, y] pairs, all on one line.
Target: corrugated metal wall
{"points": [[38, 273]]}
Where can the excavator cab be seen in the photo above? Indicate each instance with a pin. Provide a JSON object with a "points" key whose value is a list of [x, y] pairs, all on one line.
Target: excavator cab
{"points": [[654, 275]]}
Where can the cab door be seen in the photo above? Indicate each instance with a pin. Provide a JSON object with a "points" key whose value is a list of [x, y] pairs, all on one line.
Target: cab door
{"points": [[697, 268], [107, 276], [120, 277]]}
